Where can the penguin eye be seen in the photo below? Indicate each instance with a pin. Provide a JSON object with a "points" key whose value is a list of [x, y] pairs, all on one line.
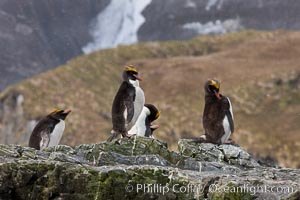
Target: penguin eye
{"points": [[211, 88], [133, 76]]}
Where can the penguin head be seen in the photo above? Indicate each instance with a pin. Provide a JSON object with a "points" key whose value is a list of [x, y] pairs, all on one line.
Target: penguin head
{"points": [[130, 74], [59, 114], [212, 88], [152, 115]]}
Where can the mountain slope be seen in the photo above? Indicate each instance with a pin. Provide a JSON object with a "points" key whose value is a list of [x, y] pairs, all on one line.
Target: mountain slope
{"points": [[258, 71], [39, 35], [36, 35]]}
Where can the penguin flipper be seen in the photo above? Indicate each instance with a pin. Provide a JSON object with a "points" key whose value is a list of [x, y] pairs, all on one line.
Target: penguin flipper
{"points": [[45, 139], [122, 107], [129, 111], [129, 106]]}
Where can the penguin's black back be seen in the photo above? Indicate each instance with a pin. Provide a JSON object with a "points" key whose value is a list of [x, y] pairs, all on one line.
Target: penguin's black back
{"points": [[214, 112], [148, 131], [150, 118], [46, 125], [123, 99]]}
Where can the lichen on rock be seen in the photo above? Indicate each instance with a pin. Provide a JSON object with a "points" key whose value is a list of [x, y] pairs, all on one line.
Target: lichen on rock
{"points": [[140, 168]]}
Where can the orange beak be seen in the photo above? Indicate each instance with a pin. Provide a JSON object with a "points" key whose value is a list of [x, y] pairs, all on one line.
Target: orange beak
{"points": [[154, 126], [67, 111], [138, 77], [217, 95]]}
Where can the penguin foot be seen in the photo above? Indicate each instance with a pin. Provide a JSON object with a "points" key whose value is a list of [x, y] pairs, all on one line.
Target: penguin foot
{"points": [[201, 139], [231, 142], [114, 135], [110, 138], [129, 136]]}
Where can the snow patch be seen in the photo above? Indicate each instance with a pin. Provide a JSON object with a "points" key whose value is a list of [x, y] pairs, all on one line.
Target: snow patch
{"points": [[217, 27], [23, 29], [190, 4], [117, 24], [20, 100], [211, 3]]}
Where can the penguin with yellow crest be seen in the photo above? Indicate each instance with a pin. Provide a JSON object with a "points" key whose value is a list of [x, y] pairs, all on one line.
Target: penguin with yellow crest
{"points": [[218, 121], [144, 125], [128, 103], [49, 130]]}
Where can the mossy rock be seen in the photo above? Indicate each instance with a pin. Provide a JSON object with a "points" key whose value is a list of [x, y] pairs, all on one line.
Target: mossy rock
{"points": [[136, 168]]}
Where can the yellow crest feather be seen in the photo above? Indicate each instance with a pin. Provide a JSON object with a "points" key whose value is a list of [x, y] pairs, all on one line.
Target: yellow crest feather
{"points": [[130, 68], [157, 115], [214, 83], [56, 110]]}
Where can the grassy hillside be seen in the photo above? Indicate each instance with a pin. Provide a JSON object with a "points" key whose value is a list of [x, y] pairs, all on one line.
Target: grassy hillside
{"points": [[259, 71]]}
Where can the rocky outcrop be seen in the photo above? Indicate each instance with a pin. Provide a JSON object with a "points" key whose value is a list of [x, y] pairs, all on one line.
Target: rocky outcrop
{"points": [[141, 168]]}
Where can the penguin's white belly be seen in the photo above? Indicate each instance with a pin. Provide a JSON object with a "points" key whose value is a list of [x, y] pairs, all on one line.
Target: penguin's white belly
{"points": [[139, 127], [227, 131], [230, 108], [57, 133], [138, 105]]}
